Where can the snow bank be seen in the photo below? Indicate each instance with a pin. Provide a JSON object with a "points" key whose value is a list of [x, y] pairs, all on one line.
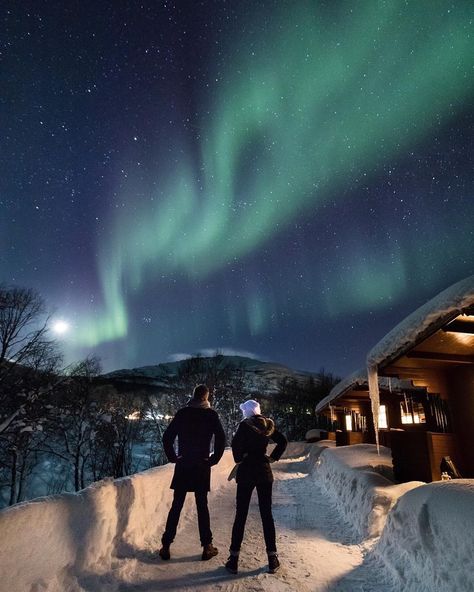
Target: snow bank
{"points": [[46, 544], [54, 544], [295, 449], [426, 530], [359, 482], [428, 541]]}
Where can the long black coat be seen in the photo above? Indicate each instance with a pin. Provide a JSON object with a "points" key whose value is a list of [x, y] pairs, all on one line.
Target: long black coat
{"points": [[249, 447], [194, 427]]}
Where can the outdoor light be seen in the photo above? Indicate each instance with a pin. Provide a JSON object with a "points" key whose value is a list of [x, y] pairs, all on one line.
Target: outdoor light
{"points": [[349, 422], [464, 324]]}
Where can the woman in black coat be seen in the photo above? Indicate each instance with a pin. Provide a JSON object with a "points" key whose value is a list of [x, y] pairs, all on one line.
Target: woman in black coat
{"points": [[249, 447]]}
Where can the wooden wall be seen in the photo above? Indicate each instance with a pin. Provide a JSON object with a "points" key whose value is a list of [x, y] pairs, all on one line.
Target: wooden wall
{"points": [[461, 396], [417, 456]]}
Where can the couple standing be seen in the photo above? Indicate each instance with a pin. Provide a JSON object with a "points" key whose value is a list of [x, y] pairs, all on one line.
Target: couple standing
{"points": [[194, 426]]}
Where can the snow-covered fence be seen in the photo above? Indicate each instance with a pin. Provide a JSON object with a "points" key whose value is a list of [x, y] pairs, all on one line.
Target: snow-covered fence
{"points": [[48, 543], [356, 478], [428, 541]]}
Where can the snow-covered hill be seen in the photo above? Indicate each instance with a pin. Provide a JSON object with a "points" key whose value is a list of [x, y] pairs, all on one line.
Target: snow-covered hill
{"points": [[256, 376]]}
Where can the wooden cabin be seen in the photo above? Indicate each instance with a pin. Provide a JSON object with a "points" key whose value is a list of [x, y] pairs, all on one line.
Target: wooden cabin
{"points": [[348, 406], [433, 348]]}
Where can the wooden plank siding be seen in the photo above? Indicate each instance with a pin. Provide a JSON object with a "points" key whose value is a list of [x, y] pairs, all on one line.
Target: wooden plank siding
{"points": [[348, 438], [417, 456], [440, 445]]}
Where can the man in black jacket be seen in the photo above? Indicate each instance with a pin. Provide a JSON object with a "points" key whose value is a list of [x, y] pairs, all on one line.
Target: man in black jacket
{"points": [[194, 425]]}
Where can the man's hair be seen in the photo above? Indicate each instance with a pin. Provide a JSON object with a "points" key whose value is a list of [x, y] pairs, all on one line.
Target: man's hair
{"points": [[200, 392]]}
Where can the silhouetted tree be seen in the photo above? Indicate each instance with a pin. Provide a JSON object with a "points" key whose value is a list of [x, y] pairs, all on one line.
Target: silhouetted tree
{"points": [[29, 360], [294, 404]]}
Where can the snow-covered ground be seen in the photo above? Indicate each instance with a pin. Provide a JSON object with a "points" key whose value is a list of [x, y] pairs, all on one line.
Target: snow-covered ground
{"points": [[330, 506]]}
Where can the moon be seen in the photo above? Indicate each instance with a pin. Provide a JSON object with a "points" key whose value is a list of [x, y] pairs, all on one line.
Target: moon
{"points": [[60, 327]]}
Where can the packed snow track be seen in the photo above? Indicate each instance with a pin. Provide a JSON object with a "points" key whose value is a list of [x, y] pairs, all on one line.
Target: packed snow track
{"points": [[318, 552]]}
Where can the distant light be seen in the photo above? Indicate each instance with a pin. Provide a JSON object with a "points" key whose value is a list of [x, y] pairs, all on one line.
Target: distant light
{"points": [[60, 327]]}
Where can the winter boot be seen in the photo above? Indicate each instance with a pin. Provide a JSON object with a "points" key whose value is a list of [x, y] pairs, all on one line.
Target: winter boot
{"points": [[273, 563], [232, 564], [164, 552], [208, 551]]}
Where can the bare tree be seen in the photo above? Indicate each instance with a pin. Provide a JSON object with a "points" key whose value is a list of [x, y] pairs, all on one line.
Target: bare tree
{"points": [[28, 362], [73, 419], [294, 405], [117, 440], [23, 330]]}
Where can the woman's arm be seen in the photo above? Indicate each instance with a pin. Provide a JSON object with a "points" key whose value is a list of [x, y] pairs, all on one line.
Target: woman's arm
{"points": [[281, 442]]}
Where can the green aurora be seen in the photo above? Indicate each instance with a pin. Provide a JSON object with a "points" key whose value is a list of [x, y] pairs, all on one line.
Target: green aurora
{"points": [[301, 113]]}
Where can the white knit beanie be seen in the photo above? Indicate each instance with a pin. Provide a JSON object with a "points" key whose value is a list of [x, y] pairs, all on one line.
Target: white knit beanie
{"points": [[250, 408]]}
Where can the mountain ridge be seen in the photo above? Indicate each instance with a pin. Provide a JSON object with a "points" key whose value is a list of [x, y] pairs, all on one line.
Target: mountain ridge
{"points": [[259, 376]]}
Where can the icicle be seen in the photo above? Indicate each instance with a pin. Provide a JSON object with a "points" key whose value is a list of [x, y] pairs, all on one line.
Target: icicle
{"points": [[372, 375]]}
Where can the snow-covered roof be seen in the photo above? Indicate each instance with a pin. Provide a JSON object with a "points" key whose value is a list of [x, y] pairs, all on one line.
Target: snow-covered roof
{"points": [[359, 378], [354, 379], [425, 321]]}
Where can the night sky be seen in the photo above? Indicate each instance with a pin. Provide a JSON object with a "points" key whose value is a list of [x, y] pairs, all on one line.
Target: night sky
{"points": [[286, 178]]}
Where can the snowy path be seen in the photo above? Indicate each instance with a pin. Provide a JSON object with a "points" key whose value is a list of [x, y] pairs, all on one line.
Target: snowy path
{"points": [[317, 551]]}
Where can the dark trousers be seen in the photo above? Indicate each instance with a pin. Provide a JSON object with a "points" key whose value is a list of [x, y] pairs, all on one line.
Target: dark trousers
{"points": [[244, 493], [204, 522]]}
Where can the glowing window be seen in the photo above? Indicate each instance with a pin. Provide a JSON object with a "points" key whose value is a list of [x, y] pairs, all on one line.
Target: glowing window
{"points": [[383, 423], [349, 423], [412, 411]]}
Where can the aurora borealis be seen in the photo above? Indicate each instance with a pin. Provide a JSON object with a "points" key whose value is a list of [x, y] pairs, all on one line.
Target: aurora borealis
{"points": [[284, 178]]}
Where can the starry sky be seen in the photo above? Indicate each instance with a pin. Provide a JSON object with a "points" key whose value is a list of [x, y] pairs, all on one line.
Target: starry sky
{"points": [[287, 179]]}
